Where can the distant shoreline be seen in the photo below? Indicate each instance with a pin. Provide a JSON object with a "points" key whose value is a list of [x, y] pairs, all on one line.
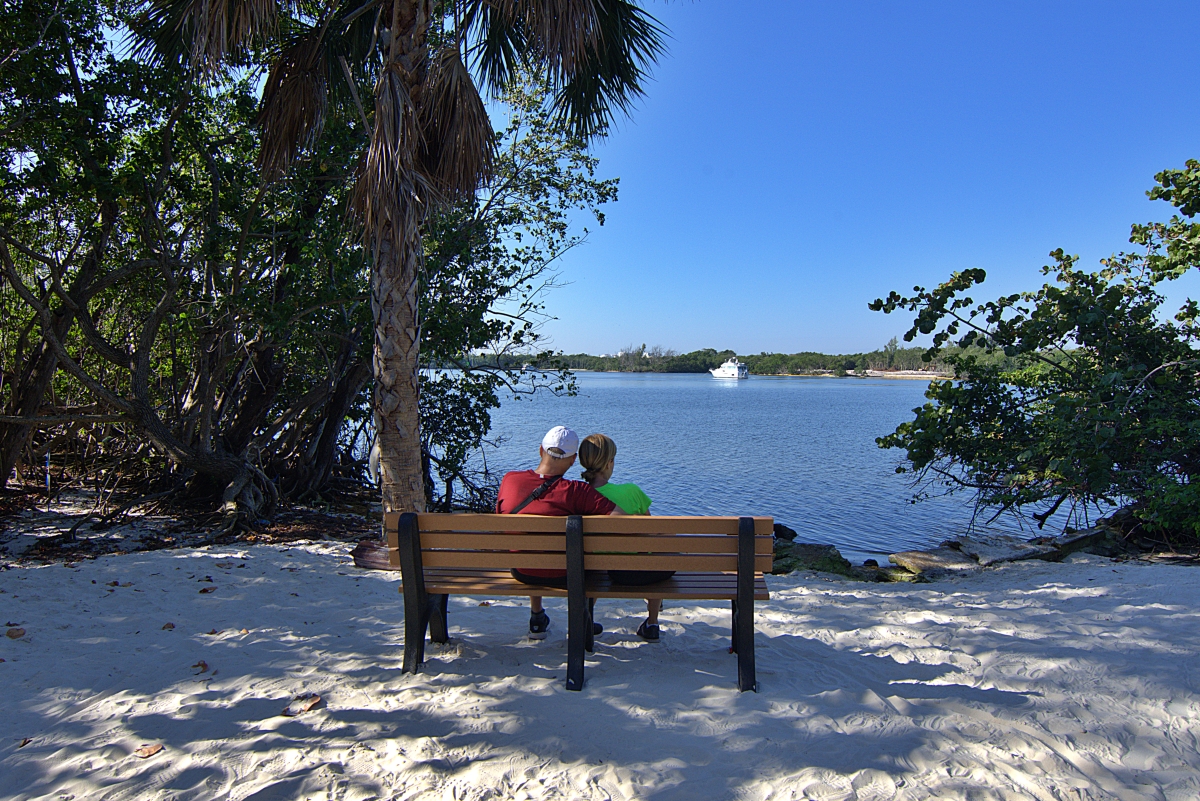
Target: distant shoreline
{"points": [[897, 375]]}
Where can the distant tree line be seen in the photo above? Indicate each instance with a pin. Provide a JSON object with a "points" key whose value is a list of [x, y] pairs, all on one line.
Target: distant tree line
{"points": [[634, 359]]}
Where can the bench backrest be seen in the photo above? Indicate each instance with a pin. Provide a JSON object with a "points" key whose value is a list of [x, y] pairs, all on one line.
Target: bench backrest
{"points": [[621, 542]]}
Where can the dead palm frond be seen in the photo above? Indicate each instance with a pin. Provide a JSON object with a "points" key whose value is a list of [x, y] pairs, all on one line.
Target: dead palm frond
{"points": [[391, 196], [294, 103], [219, 26], [457, 136], [203, 33]]}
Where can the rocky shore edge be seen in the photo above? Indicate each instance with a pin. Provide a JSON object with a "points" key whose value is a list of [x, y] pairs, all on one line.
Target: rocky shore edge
{"points": [[971, 553]]}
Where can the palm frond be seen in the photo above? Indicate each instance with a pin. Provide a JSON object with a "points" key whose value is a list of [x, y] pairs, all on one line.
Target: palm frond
{"points": [[500, 42], [457, 136], [391, 195], [609, 76], [596, 52], [294, 103], [205, 32]]}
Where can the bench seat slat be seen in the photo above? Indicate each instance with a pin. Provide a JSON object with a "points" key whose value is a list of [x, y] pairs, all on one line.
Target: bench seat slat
{"points": [[671, 524], [679, 543], [557, 561], [676, 561], [466, 521], [500, 540], [685, 586], [494, 559]]}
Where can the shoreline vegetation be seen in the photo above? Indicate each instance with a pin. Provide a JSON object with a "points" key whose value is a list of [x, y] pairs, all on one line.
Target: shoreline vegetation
{"points": [[890, 361]]}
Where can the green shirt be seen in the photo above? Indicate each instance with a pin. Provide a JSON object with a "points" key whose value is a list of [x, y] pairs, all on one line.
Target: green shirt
{"points": [[629, 497]]}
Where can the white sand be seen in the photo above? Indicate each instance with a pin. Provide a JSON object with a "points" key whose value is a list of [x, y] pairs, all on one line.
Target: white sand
{"points": [[1071, 681]]}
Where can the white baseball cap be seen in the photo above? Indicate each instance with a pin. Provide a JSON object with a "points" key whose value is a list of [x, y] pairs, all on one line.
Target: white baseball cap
{"points": [[562, 438]]}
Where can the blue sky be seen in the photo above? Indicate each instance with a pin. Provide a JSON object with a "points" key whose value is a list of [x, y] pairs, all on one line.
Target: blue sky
{"points": [[794, 160]]}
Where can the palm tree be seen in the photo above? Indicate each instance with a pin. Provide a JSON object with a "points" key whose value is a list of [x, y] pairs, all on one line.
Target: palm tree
{"points": [[430, 138]]}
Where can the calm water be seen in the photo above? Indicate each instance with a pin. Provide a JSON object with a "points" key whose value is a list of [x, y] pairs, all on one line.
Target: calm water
{"points": [[801, 450]]}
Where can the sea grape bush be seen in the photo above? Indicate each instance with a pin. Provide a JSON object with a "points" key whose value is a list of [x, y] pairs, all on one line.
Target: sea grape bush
{"points": [[1098, 401]]}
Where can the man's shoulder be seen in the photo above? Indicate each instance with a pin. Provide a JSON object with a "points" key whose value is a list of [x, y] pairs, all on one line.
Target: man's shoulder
{"points": [[518, 476]]}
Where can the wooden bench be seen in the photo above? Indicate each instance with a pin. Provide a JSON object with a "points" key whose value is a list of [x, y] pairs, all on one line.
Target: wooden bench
{"points": [[439, 555]]}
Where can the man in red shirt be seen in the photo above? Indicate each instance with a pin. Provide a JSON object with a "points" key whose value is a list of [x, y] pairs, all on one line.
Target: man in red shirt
{"points": [[544, 491]]}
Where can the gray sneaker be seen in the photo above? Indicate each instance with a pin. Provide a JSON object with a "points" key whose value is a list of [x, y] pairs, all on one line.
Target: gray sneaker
{"points": [[539, 624]]}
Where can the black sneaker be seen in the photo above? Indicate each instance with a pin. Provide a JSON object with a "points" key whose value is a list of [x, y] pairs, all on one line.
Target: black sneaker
{"points": [[539, 623], [648, 631]]}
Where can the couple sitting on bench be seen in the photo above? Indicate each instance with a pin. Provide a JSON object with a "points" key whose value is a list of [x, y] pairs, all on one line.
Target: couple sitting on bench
{"points": [[545, 491]]}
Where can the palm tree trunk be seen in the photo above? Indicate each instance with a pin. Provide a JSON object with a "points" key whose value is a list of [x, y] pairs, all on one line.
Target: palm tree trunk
{"points": [[398, 253], [397, 376]]}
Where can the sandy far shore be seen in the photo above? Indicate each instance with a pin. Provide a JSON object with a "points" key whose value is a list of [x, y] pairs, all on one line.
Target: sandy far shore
{"points": [[1033, 680]]}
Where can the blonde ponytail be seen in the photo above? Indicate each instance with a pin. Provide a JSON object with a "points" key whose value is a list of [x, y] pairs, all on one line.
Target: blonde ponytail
{"points": [[595, 452]]}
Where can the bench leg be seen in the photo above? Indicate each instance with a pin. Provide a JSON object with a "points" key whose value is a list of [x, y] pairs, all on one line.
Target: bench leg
{"points": [[733, 629], [416, 602], [743, 615], [743, 637], [578, 623], [590, 645], [439, 622]]}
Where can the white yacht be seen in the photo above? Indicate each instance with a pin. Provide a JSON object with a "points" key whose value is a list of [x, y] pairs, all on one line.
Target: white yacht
{"points": [[731, 369]]}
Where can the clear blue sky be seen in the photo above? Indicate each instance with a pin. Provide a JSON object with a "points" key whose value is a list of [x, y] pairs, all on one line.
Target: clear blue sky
{"points": [[793, 160]]}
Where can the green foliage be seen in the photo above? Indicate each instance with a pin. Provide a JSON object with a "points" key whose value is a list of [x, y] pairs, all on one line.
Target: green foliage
{"points": [[218, 323], [1098, 403]]}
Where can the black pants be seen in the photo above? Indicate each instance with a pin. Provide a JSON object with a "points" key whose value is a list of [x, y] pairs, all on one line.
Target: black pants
{"points": [[638, 578]]}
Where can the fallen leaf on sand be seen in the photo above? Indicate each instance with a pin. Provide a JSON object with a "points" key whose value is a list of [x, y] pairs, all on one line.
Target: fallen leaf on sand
{"points": [[301, 704], [202, 665], [168, 626], [148, 750], [207, 590], [15, 634], [2, 660], [25, 742], [215, 632], [206, 578], [245, 631], [10, 623], [113, 583], [485, 603]]}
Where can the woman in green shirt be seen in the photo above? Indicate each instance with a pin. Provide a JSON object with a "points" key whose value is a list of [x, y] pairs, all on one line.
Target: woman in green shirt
{"points": [[597, 454]]}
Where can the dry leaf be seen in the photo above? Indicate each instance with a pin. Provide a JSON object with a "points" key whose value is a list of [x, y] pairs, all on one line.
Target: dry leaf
{"points": [[25, 742], [168, 626], [202, 665], [301, 704], [15, 634], [215, 632], [207, 590], [113, 583], [485, 603], [245, 631], [148, 750], [3, 660], [206, 578]]}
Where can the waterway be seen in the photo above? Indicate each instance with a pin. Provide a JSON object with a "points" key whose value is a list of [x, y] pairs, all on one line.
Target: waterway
{"points": [[801, 450]]}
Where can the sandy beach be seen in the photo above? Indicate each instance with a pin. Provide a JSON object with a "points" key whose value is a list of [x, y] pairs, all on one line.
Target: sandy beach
{"points": [[1078, 680]]}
